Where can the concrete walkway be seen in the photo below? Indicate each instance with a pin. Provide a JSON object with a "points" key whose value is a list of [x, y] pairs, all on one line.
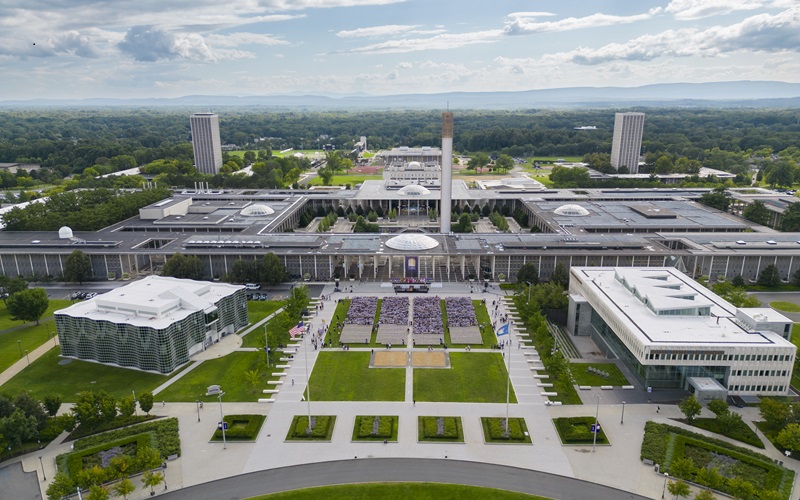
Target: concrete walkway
{"points": [[20, 365]]}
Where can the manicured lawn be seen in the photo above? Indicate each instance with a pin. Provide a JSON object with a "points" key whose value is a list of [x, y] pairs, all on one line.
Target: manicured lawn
{"points": [[473, 377], [227, 372], [399, 491], [346, 376], [578, 430], [6, 321], [482, 314], [785, 306], [260, 309], [494, 430], [796, 341], [45, 375], [277, 327], [30, 337], [584, 377], [338, 316], [341, 180], [365, 428], [241, 428]]}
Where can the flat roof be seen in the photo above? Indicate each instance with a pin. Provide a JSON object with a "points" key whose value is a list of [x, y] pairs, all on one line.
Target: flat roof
{"points": [[719, 329], [155, 301]]}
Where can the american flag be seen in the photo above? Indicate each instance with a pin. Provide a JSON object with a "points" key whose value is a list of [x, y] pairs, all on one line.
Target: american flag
{"points": [[297, 330]]}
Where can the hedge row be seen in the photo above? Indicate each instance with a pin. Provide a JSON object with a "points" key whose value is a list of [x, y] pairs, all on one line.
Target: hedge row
{"points": [[385, 427], [577, 430], [165, 434], [497, 429], [75, 459], [430, 428], [741, 432], [246, 432]]}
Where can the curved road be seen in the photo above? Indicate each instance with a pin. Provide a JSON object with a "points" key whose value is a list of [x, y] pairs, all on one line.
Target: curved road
{"points": [[396, 470]]}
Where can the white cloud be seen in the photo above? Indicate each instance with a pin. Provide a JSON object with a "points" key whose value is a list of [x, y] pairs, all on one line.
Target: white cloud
{"points": [[522, 25], [515, 15], [386, 30], [405, 65], [150, 44], [696, 9], [438, 42], [236, 39]]}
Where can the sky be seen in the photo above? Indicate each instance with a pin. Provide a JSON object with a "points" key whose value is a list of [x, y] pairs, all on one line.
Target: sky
{"points": [[75, 49]]}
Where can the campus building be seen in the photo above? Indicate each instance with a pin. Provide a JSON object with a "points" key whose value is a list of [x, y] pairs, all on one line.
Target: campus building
{"points": [[206, 142], [626, 145], [155, 324], [673, 333]]}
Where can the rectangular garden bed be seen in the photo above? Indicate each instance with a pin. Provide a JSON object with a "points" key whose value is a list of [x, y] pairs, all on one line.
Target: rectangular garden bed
{"points": [[375, 428], [241, 428], [322, 428], [494, 430], [440, 429], [578, 430]]}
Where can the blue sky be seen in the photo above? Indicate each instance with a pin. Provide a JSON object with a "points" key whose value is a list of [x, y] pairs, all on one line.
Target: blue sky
{"points": [[168, 48]]}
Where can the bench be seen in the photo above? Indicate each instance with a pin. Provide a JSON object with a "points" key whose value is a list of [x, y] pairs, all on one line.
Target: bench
{"points": [[266, 400], [606, 387], [628, 387], [270, 391], [279, 374], [585, 387], [283, 366], [275, 382], [544, 385]]}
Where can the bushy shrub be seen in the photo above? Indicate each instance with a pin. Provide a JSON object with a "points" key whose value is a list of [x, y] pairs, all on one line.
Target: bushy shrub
{"points": [[164, 433], [75, 460], [497, 429], [241, 427]]}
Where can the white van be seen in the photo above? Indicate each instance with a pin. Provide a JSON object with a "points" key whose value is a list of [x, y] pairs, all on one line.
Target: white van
{"points": [[252, 286]]}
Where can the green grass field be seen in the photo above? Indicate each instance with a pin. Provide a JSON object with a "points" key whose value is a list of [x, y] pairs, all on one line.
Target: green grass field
{"points": [[258, 310], [5, 317], [785, 306], [399, 491], [584, 377], [228, 372], [30, 337], [343, 179], [346, 376], [473, 377], [45, 375]]}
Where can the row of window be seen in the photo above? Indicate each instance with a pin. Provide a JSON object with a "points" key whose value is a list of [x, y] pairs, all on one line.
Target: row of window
{"points": [[669, 356], [756, 388], [758, 373]]}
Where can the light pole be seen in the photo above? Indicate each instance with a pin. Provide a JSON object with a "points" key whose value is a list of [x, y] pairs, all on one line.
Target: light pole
{"points": [[44, 477], [596, 415], [664, 489], [19, 344], [134, 403], [27, 357], [197, 402], [529, 292], [622, 418], [222, 422], [266, 344], [508, 386], [308, 381]]}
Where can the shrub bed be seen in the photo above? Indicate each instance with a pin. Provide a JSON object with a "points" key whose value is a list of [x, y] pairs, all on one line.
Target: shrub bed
{"points": [[241, 428], [78, 460], [440, 429], [494, 430], [366, 428], [322, 431], [741, 432], [117, 423], [163, 432], [711, 462], [578, 430]]}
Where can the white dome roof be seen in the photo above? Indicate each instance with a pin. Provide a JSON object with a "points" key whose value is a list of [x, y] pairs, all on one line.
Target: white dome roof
{"points": [[65, 233], [414, 164], [412, 241], [413, 190], [571, 210], [256, 210]]}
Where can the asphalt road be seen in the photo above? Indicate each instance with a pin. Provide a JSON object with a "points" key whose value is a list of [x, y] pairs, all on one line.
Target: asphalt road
{"points": [[399, 469]]}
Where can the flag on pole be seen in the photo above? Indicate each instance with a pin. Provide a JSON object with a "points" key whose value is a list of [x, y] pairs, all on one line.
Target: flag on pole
{"points": [[503, 330], [296, 330]]}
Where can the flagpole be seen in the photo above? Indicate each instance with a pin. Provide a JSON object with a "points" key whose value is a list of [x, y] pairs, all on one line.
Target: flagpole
{"points": [[508, 385], [308, 383]]}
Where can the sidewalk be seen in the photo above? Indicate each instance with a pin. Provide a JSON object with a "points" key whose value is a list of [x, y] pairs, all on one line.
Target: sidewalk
{"points": [[20, 365]]}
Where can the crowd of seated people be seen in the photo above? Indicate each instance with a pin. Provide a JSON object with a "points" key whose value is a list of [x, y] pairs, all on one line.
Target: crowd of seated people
{"points": [[394, 311], [428, 316], [362, 311], [460, 311], [411, 281]]}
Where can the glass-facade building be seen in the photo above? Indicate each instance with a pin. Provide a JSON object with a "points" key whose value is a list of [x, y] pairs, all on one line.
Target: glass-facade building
{"points": [[118, 330]]}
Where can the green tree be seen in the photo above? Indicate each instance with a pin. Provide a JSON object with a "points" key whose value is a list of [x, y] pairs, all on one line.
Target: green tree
{"points": [[32, 407], [126, 406], [789, 437], [769, 277], [272, 269], [796, 278], [121, 466], [147, 458], [146, 401], [528, 273], [718, 407], [790, 220], [690, 407], [18, 428], [28, 305], [123, 488], [770, 495], [682, 467], [62, 486], [184, 266], [97, 492], [326, 174], [87, 410], [10, 286], [252, 377], [480, 160], [560, 275], [679, 488], [504, 163], [108, 407], [77, 267], [152, 479], [757, 212], [52, 403], [717, 198], [741, 489], [704, 495], [774, 412], [738, 281]]}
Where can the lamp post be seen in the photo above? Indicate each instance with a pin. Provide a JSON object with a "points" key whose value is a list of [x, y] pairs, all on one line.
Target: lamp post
{"points": [[197, 402], [308, 381], [135, 413], [19, 344], [44, 477], [27, 357], [622, 418], [222, 422], [529, 292], [266, 344], [664, 489], [596, 415]]}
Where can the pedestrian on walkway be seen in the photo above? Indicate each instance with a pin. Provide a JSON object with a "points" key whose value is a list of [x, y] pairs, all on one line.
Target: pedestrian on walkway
{"points": [[293, 382], [658, 409]]}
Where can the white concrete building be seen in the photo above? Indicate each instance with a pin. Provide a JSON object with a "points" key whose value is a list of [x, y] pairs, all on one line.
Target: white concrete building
{"points": [[667, 328], [626, 146], [206, 143]]}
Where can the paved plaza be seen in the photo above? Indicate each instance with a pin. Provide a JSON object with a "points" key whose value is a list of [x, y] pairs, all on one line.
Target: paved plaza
{"points": [[617, 465]]}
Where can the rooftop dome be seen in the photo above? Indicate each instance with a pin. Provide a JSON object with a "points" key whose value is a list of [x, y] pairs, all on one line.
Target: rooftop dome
{"points": [[256, 210], [412, 242], [65, 233], [413, 190], [414, 165], [571, 210]]}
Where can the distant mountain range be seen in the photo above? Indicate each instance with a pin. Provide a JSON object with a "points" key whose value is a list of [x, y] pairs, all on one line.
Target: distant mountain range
{"points": [[715, 94]]}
